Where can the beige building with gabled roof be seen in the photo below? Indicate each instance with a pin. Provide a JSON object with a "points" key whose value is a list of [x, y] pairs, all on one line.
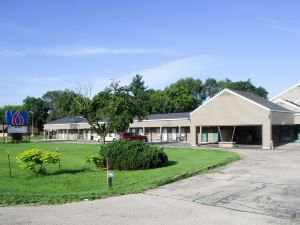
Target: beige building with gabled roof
{"points": [[240, 117], [229, 118]]}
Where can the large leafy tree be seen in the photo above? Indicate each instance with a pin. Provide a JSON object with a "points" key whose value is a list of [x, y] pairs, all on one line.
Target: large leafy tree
{"points": [[37, 110], [61, 103], [182, 96], [211, 87], [113, 109], [179, 100], [192, 86], [140, 96], [243, 86]]}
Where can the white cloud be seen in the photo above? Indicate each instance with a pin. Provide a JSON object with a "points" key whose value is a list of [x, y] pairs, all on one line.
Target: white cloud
{"points": [[165, 74], [82, 51]]}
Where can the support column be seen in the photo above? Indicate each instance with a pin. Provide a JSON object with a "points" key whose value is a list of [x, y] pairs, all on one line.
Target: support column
{"points": [[193, 136], [56, 134], [48, 134], [179, 131], [44, 134], [200, 134], [160, 132], [67, 134], [143, 130], [266, 135]]}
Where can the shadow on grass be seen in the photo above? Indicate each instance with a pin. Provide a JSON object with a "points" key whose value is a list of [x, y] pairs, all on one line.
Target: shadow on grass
{"points": [[69, 171], [171, 163]]}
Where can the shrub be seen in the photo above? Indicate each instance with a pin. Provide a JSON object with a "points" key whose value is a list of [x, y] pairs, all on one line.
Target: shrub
{"points": [[132, 155], [96, 159], [36, 160]]}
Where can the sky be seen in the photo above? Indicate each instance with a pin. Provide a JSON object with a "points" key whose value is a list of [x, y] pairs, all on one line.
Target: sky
{"points": [[58, 44]]}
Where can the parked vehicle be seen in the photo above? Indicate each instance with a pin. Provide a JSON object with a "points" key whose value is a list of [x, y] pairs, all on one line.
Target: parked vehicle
{"points": [[133, 136], [108, 137]]}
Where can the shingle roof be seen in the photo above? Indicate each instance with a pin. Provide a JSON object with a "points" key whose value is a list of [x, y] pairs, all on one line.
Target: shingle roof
{"points": [[261, 101], [68, 120], [168, 116]]}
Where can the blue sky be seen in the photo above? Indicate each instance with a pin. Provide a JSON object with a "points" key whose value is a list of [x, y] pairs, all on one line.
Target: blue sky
{"points": [[56, 44]]}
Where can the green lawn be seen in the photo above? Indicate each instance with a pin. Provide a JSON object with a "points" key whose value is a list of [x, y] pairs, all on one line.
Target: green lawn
{"points": [[77, 181]]}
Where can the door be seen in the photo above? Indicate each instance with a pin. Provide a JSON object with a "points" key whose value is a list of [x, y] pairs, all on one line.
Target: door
{"points": [[165, 134], [215, 135], [173, 134], [204, 134]]}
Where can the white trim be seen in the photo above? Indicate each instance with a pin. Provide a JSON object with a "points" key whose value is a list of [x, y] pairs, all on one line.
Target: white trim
{"points": [[296, 114], [234, 93], [286, 102], [281, 93], [161, 120]]}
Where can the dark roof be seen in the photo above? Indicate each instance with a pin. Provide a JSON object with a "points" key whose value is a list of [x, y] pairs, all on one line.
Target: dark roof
{"points": [[167, 116], [261, 101], [68, 120]]}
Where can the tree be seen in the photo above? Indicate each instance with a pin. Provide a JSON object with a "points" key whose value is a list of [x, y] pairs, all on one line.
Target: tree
{"points": [[113, 109], [140, 95], [243, 86], [158, 101], [38, 109], [179, 100], [195, 87], [60, 103], [211, 87], [51, 98]]}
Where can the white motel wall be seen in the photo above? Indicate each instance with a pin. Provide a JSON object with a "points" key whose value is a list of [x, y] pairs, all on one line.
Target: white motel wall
{"points": [[229, 117]]}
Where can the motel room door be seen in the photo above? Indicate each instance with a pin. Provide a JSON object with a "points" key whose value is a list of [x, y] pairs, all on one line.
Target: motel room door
{"points": [[204, 134], [173, 134], [215, 135], [165, 134]]}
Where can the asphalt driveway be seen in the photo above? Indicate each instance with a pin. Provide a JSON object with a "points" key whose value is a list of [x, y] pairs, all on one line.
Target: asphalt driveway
{"points": [[263, 188]]}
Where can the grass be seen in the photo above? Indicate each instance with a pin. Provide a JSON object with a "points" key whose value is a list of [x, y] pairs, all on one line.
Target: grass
{"points": [[77, 181]]}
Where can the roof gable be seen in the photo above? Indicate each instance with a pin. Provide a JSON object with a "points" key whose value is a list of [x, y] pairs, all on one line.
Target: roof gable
{"points": [[291, 94], [251, 98]]}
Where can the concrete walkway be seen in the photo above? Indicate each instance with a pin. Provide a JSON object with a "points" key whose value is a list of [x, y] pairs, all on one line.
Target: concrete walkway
{"points": [[263, 188]]}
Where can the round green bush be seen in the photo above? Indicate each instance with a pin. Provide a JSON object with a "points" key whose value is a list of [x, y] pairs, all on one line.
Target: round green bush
{"points": [[133, 155]]}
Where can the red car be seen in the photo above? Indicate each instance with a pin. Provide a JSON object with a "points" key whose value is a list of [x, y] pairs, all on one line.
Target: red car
{"points": [[133, 136]]}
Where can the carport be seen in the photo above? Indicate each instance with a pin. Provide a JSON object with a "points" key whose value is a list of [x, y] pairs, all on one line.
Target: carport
{"points": [[237, 117], [249, 135]]}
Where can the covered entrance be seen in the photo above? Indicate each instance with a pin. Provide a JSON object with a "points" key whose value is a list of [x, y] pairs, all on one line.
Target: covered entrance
{"points": [[246, 135]]}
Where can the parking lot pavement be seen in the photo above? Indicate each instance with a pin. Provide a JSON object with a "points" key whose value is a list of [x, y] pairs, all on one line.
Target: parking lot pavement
{"points": [[262, 188]]}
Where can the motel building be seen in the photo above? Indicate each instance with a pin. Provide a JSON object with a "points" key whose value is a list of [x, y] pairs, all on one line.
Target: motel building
{"points": [[228, 119]]}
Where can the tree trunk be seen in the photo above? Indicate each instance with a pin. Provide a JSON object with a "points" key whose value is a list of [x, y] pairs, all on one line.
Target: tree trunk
{"points": [[103, 139]]}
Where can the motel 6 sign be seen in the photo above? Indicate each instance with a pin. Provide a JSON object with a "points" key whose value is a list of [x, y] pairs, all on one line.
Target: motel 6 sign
{"points": [[16, 118]]}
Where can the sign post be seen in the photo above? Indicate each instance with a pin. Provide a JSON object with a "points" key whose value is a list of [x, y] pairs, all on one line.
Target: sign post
{"points": [[110, 174], [9, 167]]}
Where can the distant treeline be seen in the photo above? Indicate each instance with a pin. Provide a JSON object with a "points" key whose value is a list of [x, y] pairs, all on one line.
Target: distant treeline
{"points": [[182, 96]]}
